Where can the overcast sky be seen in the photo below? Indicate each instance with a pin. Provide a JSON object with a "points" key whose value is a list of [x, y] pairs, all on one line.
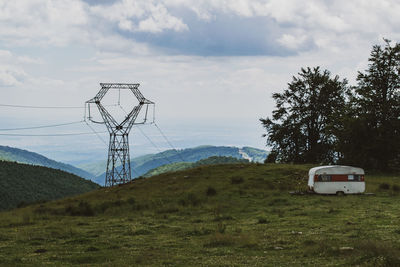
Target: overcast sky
{"points": [[210, 66]]}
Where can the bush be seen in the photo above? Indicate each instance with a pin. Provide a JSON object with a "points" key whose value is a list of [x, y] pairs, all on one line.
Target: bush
{"points": [[83, 209], [221, 228], [262, 220], [237, 180], [384, 186], [131, 201], [396, 188], [211, 191], [272, 157], [190, 199]]}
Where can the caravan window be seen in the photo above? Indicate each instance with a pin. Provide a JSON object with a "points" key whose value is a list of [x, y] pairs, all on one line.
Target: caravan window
{"points": [[324, 178], [354, 177]]}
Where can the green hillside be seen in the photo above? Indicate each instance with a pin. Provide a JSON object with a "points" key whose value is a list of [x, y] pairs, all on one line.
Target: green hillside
{"points": [[224, 215], [178, 166], [23, 156], [22, 183], [141, 165]]}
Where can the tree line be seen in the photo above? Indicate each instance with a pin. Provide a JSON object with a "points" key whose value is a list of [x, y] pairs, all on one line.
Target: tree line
{"points": [[322, 119]]}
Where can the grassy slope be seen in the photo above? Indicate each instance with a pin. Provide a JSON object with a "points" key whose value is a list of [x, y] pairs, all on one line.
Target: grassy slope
{"points": [[226, 215], [27, 183], [179, 166]]}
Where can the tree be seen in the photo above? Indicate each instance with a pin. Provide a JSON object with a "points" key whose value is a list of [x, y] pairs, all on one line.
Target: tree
{"points": [[372, 137], [306, 115]]}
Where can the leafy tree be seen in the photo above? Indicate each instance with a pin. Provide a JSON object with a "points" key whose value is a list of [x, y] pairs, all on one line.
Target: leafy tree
{"points": [[306, 115], [371, 136]]}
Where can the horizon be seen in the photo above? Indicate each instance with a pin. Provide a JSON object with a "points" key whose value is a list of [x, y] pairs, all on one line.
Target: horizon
{"points": [[209, 67]]}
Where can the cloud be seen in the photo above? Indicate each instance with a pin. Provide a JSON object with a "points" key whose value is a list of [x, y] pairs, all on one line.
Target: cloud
{"points": [[140, 15], [10, 76], [43, 22], [10, 73], [197, 27]]}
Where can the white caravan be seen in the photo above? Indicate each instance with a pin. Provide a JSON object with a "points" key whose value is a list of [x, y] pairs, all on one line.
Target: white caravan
{"points": [[336, 180]]}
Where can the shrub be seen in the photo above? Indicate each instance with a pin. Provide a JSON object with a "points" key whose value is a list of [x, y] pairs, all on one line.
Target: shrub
{"points": [[396, 188], [131, 201], [237, 180], [384, 186], [211, 191], [223, 218], [83, 209], [262, 220], [272, 157], [190, 199]]}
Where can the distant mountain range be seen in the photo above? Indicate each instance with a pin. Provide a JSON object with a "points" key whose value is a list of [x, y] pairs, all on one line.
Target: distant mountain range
{"points": [[143, 164], [22, 184], [140, 165], [24, 156]]}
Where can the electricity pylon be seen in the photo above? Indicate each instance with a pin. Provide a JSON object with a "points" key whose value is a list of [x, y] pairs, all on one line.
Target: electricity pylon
{"points": [[118, 150]]}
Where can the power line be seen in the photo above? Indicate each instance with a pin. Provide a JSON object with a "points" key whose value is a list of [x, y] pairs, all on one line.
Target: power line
{"points": [[166, 139], [42, 126], [65, 134], [97, 134], [148, 138], [159, 150], [49, 107]]}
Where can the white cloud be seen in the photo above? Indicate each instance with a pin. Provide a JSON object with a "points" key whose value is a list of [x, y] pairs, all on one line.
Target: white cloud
{"points": [[43, 22], [10, 73], [10, 76], [140, 15]]}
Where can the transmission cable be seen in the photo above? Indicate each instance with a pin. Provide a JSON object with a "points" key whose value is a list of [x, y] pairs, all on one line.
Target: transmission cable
{"points": [[148, 138], [47, 107], [97, 133], [42, 126], [173, 148], [65, 134], [166, 139]]}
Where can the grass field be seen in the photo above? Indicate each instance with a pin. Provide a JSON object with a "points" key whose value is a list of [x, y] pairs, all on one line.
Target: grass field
{"points": [[225, 215]]}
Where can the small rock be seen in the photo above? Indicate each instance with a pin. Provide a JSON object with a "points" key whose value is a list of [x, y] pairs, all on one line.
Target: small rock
{"points": [[346, 248], [278, 248], [296, 233]]}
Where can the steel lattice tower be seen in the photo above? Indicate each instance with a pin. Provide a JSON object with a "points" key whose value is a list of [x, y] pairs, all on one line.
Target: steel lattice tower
{"points": [[118, 150]]}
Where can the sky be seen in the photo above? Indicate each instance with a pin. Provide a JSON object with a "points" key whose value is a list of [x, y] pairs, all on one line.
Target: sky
{"points": [[211, 66]]}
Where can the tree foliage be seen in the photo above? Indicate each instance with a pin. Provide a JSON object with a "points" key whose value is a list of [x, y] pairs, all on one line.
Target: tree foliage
{"points": [[318, 119], [301, 127], [371, 137]]}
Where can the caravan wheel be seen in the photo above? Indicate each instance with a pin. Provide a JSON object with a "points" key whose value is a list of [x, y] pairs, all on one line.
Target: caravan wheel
{"points": [[340, 193]]}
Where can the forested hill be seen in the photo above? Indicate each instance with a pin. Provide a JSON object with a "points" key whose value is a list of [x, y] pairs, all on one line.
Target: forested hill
{"points": [[141, 165], [23, 156], [23, 183]]}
